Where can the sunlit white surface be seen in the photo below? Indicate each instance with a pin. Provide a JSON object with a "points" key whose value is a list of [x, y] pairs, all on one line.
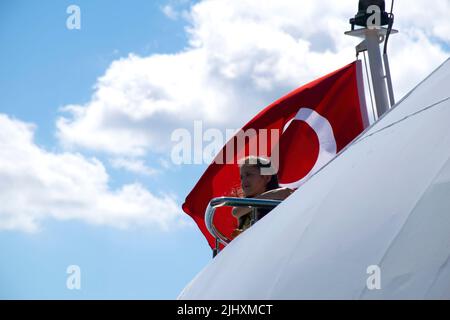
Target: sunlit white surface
{"points": [[384, 201]]}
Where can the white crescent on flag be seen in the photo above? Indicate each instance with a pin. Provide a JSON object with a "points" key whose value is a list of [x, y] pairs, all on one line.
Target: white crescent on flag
{"points": [[327, 141]]}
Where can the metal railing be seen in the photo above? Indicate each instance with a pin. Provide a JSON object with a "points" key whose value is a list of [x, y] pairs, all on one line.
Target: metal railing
{"points": [[215, 203]]}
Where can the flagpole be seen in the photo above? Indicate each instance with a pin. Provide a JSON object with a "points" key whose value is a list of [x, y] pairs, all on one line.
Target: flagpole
{"points": [[373, 36]]}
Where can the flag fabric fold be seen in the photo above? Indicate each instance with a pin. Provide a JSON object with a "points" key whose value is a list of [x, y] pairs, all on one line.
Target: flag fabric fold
{"points": [[307, 128]]}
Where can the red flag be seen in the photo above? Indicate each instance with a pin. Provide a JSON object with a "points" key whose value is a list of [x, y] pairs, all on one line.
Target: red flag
{"points": [[314, 122]]}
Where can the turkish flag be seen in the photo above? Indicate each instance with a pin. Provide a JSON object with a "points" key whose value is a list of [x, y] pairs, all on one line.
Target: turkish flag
{"points": [[314, 123]]}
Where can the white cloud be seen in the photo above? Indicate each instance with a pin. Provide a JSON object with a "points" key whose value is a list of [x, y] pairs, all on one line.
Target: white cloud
{"points": [[431, 18], [36, 185], [241, 56], [170, 12], [176, 9], [133, 165]]}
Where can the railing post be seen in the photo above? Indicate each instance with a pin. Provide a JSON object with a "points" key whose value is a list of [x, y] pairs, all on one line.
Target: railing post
{"points": [[253, 217], [233, 202], [216, 249]]}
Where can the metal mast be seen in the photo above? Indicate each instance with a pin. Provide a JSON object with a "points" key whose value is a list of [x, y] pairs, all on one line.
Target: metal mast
{"points": [[376, 27]]}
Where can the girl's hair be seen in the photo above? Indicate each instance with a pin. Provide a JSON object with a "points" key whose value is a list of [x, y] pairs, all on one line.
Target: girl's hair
{"points": [[261, 162]]}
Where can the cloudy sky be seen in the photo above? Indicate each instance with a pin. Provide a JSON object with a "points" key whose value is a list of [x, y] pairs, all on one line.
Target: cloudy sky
{"points": [[86, 117]]}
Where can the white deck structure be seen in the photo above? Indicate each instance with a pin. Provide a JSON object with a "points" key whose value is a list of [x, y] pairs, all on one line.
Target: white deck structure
{"points": [[385, 201]]}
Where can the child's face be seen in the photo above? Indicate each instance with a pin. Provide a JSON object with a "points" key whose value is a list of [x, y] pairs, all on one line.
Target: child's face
{"points": [[252, 182]]}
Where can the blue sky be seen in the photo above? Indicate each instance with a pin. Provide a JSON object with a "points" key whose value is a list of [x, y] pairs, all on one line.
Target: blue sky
{"points": [[86, 117], [45, 66]]}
